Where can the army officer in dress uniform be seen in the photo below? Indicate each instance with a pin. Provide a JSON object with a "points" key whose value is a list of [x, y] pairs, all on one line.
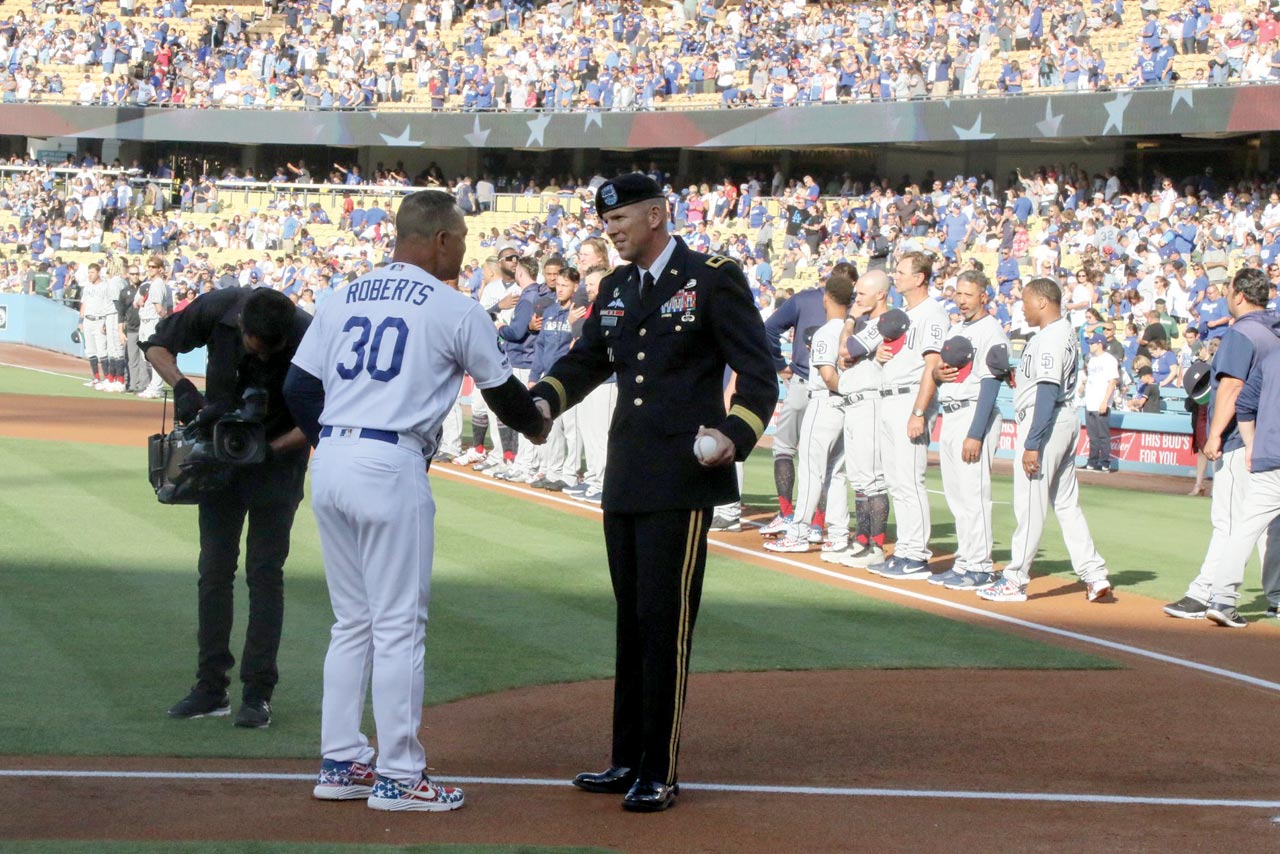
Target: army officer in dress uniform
{"points": [[667, 324]]}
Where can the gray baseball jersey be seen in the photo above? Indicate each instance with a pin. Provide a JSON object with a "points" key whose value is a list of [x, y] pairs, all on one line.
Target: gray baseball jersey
{"points": [[865, 374], [1051, 356], [929, 324], [983, 333]]}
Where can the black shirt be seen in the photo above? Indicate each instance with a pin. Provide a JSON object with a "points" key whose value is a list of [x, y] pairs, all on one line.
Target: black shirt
{"points": [[126, 310], [211, 321]]}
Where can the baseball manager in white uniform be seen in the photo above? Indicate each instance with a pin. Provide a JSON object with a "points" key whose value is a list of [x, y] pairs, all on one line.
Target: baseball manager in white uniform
{"points": [[970, 433], [1044, 469], [908, 405], [370, 385]]}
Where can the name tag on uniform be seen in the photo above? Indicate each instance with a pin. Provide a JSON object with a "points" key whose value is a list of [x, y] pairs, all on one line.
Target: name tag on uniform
{"points": [[609, 317]]}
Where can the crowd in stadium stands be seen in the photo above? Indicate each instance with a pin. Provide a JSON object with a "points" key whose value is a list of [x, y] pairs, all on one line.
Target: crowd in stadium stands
{"points": [[605, 54], [1142, 263]]}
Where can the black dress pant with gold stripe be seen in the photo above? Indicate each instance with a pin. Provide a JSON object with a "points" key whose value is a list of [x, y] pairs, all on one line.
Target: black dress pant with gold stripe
{"points": [[656, 561]]}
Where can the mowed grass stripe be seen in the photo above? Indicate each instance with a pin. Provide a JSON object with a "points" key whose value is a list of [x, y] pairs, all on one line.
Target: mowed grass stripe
{"points": [[97, 613]]}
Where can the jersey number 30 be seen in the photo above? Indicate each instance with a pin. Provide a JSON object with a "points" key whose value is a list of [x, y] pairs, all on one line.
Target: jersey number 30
{"points": [[374, 348]]}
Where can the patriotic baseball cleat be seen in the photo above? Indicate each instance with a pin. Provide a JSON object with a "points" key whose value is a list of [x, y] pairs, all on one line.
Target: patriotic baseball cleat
{"points": [[788, 543], [1096, 591], [423, 796], [779, 524], [1004, 590], [343, 781]]}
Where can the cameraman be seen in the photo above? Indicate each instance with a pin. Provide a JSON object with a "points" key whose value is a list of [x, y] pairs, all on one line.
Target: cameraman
{"points": [[251, 336]]}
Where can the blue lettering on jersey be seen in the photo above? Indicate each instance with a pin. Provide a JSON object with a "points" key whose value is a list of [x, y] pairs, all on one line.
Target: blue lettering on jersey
{"points": [[399, 290]]}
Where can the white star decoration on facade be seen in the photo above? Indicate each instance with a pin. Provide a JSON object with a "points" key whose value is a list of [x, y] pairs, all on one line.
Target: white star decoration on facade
{"points": [[537, 128], [1115, 112], [1184, 94], [401, 140], [974, 132], [1051, 123], [593, 117], [477, 136]]}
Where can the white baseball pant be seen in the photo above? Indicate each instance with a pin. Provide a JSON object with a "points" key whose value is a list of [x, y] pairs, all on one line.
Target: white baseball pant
{"points": [[596, 412], [905, 462], [967, 487], [1259, 513], [146, 329], [1055, 484], [102, 338], [1218, 580], [863, 466], [786, 434], [529, 456], [375, 513], [562, 459], [451, 430], [820, 459]]}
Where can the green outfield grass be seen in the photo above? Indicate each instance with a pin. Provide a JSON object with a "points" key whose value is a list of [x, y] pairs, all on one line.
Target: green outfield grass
{"points": [[63, 846], [97, 612], [58, 384]]}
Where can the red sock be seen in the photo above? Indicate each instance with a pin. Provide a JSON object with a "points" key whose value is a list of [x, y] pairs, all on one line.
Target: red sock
{"points": [[509, 456], [862, 538], [480, 449], [820, 519], [878, 539], [785, 507]]}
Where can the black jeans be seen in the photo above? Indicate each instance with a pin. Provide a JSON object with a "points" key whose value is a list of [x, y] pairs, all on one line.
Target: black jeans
{"points": [[269, 495], [1099, 429]]}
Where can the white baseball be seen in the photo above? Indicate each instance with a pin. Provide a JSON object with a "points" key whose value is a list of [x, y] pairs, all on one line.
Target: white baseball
{"points": [[704, 447]]}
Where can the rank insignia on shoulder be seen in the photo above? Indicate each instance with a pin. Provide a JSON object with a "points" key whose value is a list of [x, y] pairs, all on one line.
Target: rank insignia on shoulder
{"points": [[717, 261]]}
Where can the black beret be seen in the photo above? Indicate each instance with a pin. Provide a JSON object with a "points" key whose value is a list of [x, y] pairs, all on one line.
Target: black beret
{"points": [[998, 360], [626, 190], [893, 324], [957, 352], [1197, 381]]}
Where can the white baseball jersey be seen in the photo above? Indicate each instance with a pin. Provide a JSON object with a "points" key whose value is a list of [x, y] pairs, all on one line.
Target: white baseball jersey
{"points": [[1101, 370], [929, 324], [1051, 356], [983, 333], [824, 349], [391, 349], [865, 373], [99, 298]]}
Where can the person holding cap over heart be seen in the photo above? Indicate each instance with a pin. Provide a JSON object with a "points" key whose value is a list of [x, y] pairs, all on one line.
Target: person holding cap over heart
{"points": [[971, 422]]}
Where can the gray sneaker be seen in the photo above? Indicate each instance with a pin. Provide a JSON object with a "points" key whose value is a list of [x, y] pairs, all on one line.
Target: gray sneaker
{"points": [[1225, 615], [944, 578], [971, 581], [1186, 608]]}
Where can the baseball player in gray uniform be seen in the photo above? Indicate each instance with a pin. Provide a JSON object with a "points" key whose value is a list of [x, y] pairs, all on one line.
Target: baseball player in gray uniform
{"points": [[1044, 469], [908, 405], [821, 445], [102, 342], [860, 396], [970, 432]]}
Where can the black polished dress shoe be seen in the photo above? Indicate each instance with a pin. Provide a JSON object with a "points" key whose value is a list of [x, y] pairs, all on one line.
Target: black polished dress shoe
{"points": [[650, 796], [614, 780]]}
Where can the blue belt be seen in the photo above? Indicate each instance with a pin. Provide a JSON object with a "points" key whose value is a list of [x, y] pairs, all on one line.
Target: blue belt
{"points": [[388, 436]]}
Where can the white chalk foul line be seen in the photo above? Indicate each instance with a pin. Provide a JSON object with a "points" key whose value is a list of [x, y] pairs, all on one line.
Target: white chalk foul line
{"points": [[744, 788], [933, 600], [41, 371]]}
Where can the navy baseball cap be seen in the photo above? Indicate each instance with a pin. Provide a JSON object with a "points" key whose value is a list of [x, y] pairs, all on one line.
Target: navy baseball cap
{"points": [[998, 361], [626, 190], [957, 352], [893, 324], [1196, 381], [1098, 338]]}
